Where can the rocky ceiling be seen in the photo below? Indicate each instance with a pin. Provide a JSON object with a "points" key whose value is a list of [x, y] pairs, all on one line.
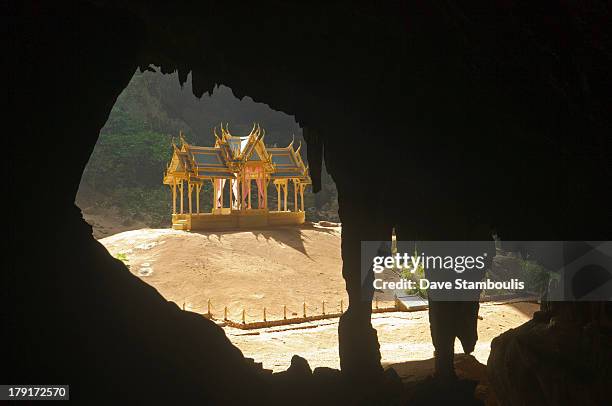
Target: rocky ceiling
{"points": [[445, 120]]}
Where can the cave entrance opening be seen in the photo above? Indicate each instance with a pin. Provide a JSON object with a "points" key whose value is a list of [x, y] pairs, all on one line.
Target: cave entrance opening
{"points": [[275, 274], [271, 276]]}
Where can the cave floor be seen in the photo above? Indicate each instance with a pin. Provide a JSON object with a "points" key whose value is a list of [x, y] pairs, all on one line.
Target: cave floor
{"points": [[403, 336], [290, 266]]}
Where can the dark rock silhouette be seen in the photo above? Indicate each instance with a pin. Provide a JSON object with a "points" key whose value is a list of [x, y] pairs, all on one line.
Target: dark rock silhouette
{"points": [[554, 360], [438, 118]]}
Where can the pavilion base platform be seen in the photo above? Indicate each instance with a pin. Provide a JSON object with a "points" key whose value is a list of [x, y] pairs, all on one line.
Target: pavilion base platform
{"points": [[226, 219]]}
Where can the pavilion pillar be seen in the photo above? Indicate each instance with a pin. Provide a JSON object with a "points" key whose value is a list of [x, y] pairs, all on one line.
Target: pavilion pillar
{"points": [[264, 183], [173, 196], [295, 195], [302, 197], [245, 193], [231, 194], [249, 193], [198, 188], [242, 191], [214, 195], [182, 196], [286, 185], [260, 184], [222, 186], [189, 190], [278, 197]]}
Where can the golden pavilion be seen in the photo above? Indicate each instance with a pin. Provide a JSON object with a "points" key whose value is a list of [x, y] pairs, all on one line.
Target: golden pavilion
{"points": [[240, 170]]}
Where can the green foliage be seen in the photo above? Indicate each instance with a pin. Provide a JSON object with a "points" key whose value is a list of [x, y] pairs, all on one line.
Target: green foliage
{"points": [[535, 276], [128, 160], [415, 276], [126, 167], [125, 171], [151, 205], [407, 274], [121, 121], [123, 258]]}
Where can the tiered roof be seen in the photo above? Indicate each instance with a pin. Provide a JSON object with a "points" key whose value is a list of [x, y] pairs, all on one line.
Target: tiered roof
{"points": [[287, 162], [231, 154]]}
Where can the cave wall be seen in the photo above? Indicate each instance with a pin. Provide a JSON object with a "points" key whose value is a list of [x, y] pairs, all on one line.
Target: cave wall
{"points": [[465, 116]]}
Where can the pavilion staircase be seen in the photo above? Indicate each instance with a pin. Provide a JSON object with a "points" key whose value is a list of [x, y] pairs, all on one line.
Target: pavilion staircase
{"points": [[180, 225]]}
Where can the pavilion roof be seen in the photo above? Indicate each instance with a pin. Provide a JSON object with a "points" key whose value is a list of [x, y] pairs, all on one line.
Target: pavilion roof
{"points": [[242, 149], [231, 153], [287, 163]]}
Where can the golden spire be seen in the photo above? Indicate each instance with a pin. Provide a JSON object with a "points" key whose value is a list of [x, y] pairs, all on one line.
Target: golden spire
{"points": [[182, 138], [218, 140], [224, 132]]}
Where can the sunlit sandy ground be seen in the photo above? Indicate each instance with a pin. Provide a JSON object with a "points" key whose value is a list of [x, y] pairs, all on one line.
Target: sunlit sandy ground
{"points": [[287, 266], [240, 270], [403, 336]]}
